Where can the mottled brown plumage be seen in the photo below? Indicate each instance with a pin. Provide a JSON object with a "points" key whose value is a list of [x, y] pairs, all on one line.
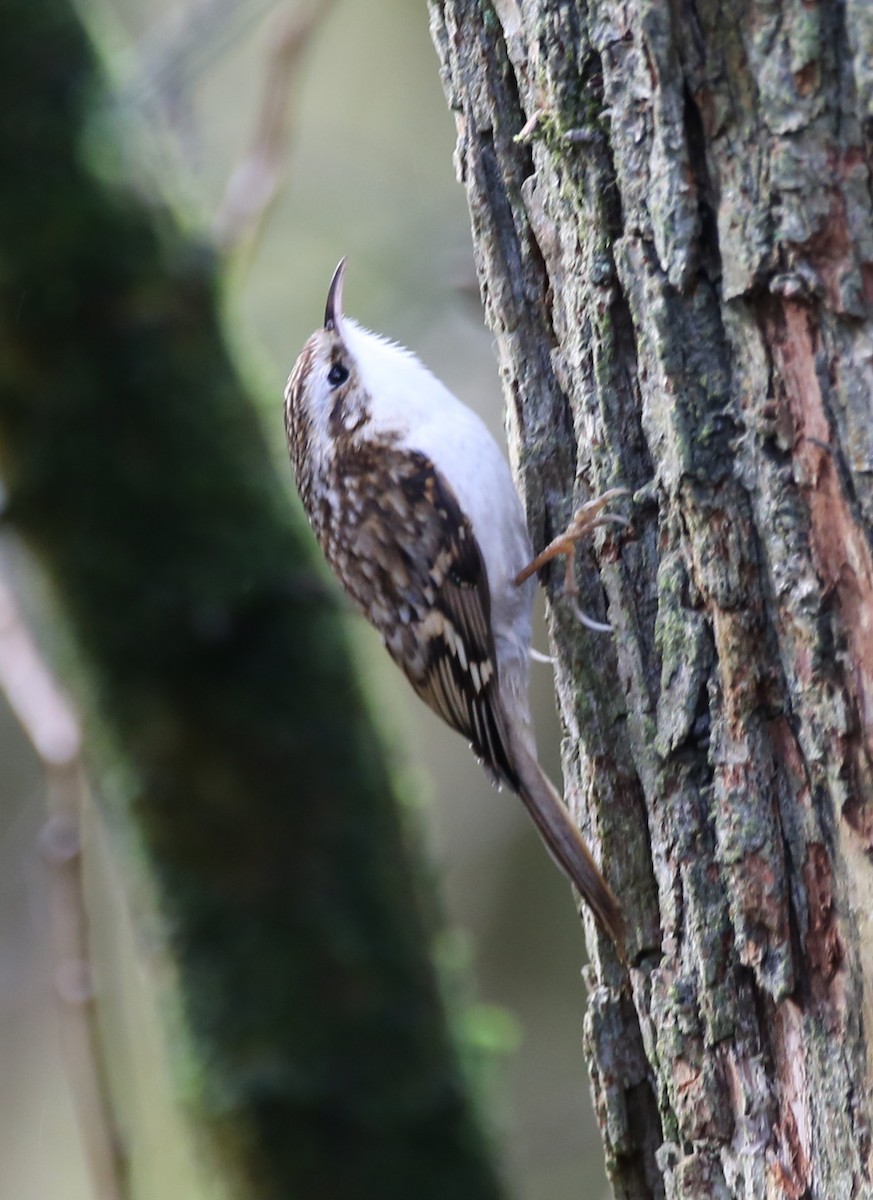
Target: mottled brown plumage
{"points": [[415, 511]]}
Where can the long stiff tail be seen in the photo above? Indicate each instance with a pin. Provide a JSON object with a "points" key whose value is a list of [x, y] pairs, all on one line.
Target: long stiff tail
{"points": [[565, 843]]}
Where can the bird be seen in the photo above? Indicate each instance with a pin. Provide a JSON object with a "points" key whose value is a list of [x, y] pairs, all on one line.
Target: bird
{"points": [[416, 512]]}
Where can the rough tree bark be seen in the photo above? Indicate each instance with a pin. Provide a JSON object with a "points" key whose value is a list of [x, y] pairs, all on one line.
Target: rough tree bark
{"points": [[221, 692], [671, 208]]}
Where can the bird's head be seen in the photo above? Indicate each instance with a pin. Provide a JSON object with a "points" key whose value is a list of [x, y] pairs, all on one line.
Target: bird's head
{"points": [[325, 392], [350, 385]]}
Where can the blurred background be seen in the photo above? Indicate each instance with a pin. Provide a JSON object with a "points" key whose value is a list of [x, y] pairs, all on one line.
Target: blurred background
{"points": [[368, 173]]}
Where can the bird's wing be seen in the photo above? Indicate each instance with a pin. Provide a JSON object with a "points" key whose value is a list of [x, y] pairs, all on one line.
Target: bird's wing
{"points": [[437, 622]]}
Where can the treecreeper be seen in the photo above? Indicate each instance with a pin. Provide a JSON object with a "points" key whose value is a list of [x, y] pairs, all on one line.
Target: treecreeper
{"points": [[414, 507]]}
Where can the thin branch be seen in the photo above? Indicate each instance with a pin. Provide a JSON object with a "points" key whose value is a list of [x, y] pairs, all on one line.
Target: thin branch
{"points": [[43, 711], [181, 47], [50, 722], [255, 183]]}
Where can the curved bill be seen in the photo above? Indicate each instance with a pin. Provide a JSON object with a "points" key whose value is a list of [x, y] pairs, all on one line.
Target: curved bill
{"points": [[333, 310]]}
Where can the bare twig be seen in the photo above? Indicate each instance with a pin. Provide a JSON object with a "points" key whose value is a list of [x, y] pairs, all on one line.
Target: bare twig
{"points": [[50, 722], [44, 713], [255, 183], [183, 45]]}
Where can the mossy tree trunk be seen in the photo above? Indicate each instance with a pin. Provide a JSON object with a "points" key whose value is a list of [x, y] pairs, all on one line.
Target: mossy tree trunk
{"points": [[671, 206], [218, 672]]}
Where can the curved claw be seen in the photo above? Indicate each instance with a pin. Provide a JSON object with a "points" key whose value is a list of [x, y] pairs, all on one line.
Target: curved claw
{"points": [[585, 520], [538, 657], [589, 622]]}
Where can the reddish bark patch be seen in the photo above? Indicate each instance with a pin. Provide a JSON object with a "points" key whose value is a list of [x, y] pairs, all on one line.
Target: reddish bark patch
{"points": [[824, 946], [832, 250], [761, 897], [790, 1184], [867, 281], [790, 1159], [839, 548], [789, 759], [808, 79], [858, 811]]}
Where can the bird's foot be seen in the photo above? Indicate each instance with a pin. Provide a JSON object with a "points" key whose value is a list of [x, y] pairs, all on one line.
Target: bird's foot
{"points": [[586, 519]]}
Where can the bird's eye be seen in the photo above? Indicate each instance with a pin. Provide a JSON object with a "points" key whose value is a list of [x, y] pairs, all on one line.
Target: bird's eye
{"points": [[337, 374]]}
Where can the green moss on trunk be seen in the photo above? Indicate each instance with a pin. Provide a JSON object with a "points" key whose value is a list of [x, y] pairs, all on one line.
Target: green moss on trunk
{"points": [[219, 669]]}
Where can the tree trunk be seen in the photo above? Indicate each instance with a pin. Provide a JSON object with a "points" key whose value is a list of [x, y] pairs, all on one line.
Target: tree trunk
{"points": [[222, 696], [671, 208]]}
